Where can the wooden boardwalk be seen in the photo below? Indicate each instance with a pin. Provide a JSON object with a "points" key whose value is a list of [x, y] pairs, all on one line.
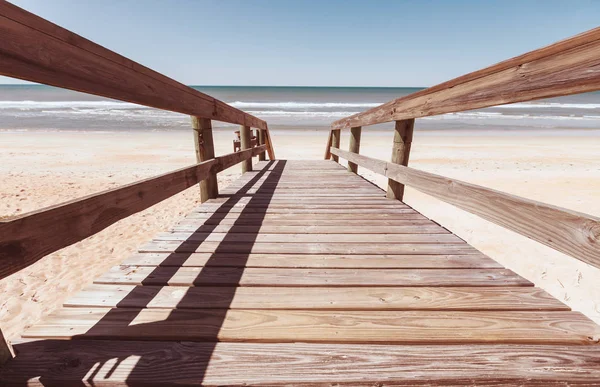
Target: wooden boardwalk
{"points": [[302, 272]]}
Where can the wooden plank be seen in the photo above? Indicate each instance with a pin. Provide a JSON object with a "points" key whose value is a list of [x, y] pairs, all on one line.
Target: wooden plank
{"points": [[232, 237], [308, 248], [205, 150], [335, 142], [283, 210], [373, 261], [570, 232], [29, 237], [403, 135], [139, 363], [314, 218], [263, 204], [298, 220], [261, 141], [328, 146], [427, 228], [72, 62], [354, 147], [389, 327], [566, 67], [269, 143], [320, 298], [285, 277], [245, 134]]}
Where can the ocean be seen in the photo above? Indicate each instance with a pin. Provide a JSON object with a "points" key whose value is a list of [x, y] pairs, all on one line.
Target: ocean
{"points": [[39, 107]]}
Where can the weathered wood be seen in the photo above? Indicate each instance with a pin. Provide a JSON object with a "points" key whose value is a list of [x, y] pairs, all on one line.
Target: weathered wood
{"points": [[245, 134], [424, 228], [304, 248], [269, 143], [335, 142], [232, 237], [354, 146], [36, 50], [285, 277], [319, 298], [329, 261], [328, 146], [5, 353], [29, 237], [392, 327], [564, 68], [403, 135], [261, 141], [205, 150], [567, 231], [143, 363]]}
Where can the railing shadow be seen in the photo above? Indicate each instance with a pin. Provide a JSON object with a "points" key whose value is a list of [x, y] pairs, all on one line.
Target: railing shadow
{"points": [[117, 323]]}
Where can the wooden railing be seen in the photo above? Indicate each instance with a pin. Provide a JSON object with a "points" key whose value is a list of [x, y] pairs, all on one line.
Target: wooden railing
{"points": [[36, 50], [568, 67]]}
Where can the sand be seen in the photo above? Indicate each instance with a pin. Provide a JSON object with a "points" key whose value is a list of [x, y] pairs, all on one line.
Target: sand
{"points": [[38, 169]]}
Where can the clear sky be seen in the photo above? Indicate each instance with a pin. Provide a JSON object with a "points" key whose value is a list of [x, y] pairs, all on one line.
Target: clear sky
{"points": [[318, 43]]}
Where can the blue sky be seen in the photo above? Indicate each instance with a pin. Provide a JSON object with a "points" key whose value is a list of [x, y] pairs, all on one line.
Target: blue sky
{"points": [[318, 43]]}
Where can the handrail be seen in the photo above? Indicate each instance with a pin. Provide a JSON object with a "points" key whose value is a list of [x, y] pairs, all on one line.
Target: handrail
{"points": [[570, 66], [567, 231], [34, 49], [29, 237]]}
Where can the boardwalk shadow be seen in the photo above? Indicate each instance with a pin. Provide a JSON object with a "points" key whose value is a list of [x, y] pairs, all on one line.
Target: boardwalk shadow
{"points": [[135, 360]]}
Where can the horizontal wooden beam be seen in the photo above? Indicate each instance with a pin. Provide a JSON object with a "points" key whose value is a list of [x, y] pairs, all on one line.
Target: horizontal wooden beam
{"points": [[26, 239], [567, 67], [570, 232], [33, 49]]}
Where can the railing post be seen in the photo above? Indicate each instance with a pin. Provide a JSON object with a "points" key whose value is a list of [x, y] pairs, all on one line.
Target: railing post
{"points": [[5, 353], [245, 134], [335, 142], [354, 146], [205, 150], [402, 139], [261, 141]]}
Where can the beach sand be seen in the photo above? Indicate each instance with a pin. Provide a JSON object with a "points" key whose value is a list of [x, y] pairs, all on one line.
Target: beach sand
{"points": [[39, 169]]}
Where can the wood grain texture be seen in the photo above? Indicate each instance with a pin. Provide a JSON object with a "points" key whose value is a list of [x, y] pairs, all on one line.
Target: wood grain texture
{"points": [[335, 142], [205, 150], [126, 363], [285, 277], [570, 232], [426, 227], [385, 327], [403, 135], [564, 68], [354, 147], [232, 237], [309, 248], [331, 261], [261, 141], [36, 50], [29, 237], [245, 134], [318, 298]]}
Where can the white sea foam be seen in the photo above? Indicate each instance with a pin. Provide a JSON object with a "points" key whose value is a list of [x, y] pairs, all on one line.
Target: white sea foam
{"points": [[549, 105], [29, 105], [302, 105]]}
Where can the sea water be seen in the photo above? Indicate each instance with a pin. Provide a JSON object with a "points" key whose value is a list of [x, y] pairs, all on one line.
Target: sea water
{"points": [[39, 107]]}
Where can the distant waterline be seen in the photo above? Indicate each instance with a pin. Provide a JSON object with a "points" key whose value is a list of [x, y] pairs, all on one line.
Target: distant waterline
{"points": [[35, 107]]}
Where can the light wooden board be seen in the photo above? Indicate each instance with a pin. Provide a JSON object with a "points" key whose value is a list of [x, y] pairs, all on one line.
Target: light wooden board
{"points": [[307, 217], [330, 261], [126, 363], [232, 237], [426, 228], [308, 248], [207, 276], [318, 298], [357, 223], [389, 327]]}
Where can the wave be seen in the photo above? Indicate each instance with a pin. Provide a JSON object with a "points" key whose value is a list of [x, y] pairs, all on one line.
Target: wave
{"points": [[302, 105], [549, 105]]}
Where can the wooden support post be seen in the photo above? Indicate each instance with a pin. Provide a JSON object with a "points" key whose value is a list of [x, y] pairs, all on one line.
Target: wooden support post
{"points": [[335, 142], [354, 146], [328, 147], [5, 353], [245, 134], [402, 139], [205, 150], [261, 141]]}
